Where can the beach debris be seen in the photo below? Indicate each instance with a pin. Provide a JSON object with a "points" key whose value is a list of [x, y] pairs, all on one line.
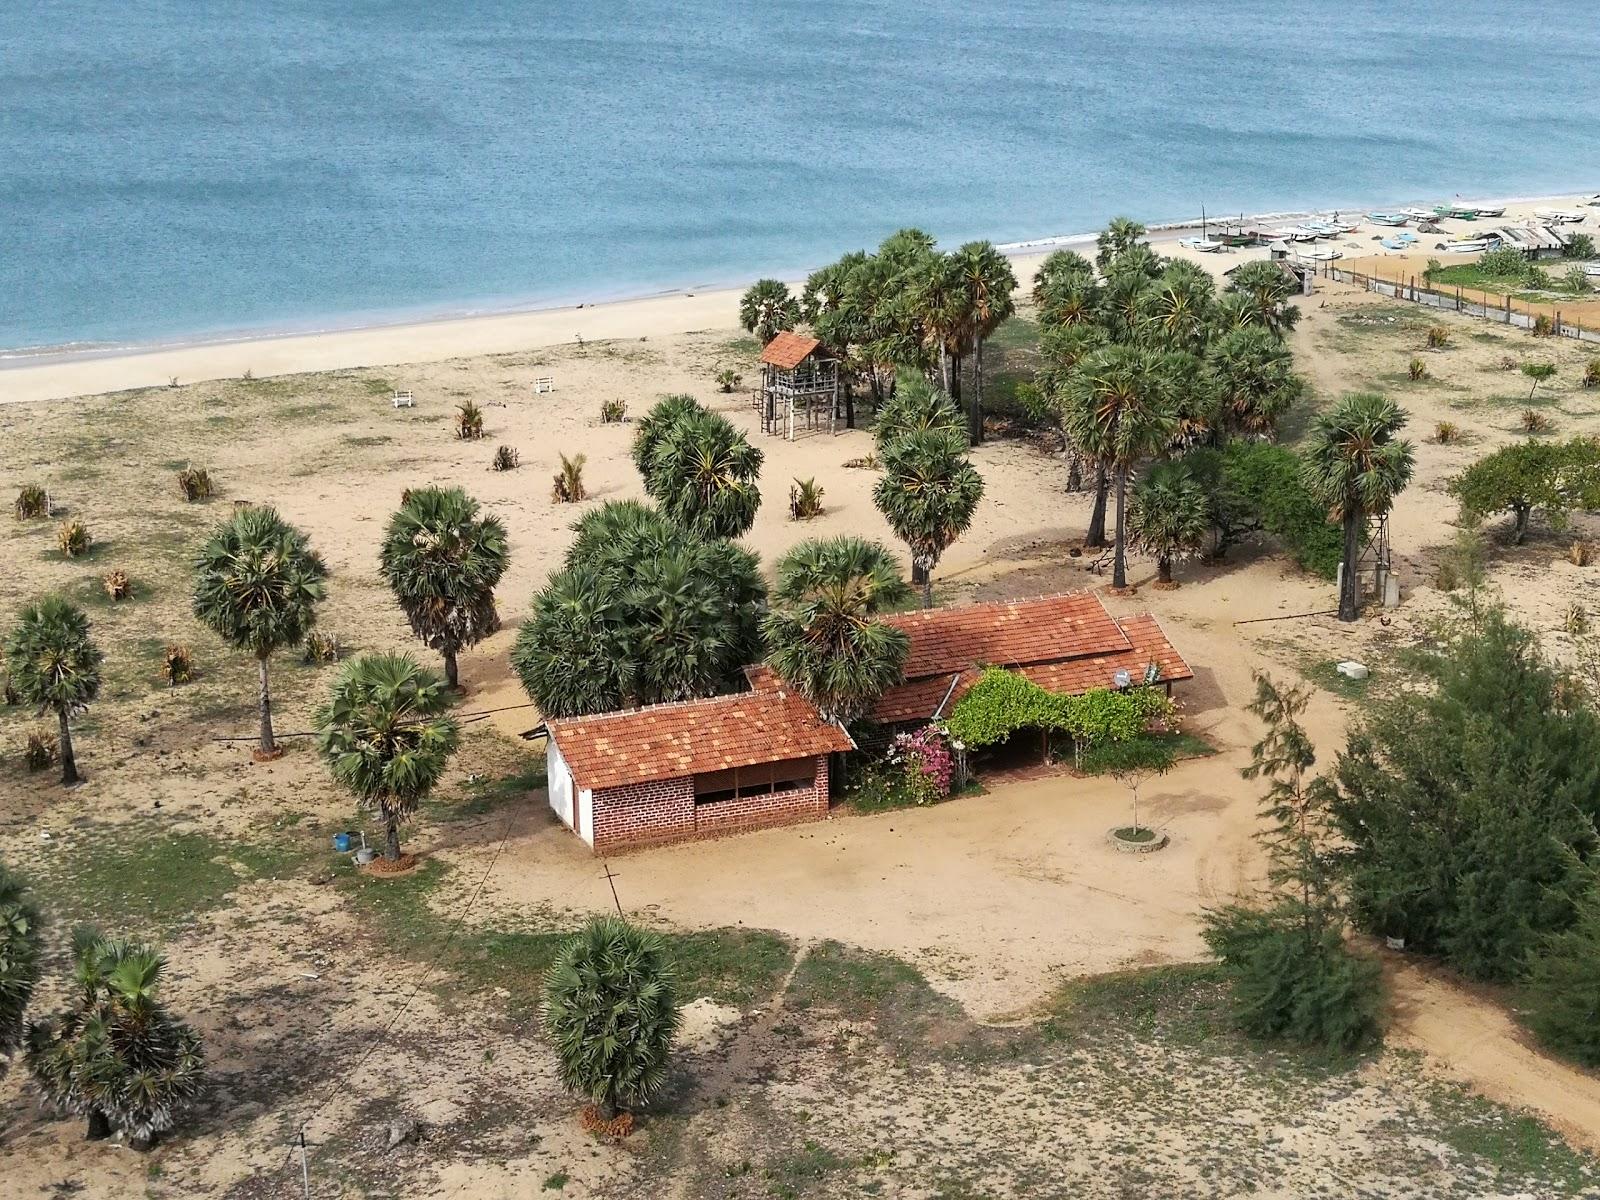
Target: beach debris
{"points": [[1351, 669]]}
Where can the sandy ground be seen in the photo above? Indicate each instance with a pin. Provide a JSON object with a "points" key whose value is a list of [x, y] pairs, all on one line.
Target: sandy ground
{"points": [[995, 898]]}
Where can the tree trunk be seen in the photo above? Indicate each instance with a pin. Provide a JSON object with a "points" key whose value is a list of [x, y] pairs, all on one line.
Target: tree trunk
{"points": [[918, 575], [608, 1107], [1520, 532], [849, 406], [927, 589], [450, 672], [944, 368], [141, 1144], [391, 840], [268, 745], [1164, 568], [975, 405], [99, 1126], [1097, 517], [1350, 586], [955, 379], [1119, 558], [69, 761]]}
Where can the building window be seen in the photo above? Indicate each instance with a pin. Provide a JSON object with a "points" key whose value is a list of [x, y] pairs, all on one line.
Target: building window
{"points": [[762, 779]]}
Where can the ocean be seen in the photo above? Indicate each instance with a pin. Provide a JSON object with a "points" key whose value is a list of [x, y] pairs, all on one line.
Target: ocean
{"points": [[175, 169]]}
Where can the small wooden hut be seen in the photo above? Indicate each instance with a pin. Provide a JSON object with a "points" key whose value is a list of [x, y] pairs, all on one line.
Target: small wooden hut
{"points": [[799, 385]]}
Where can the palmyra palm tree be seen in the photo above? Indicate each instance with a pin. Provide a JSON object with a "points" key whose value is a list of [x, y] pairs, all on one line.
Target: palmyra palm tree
{"points": [[55, 667], [386, 736], [442, 561], [116, 1056], [1178, 307], [767, 309], [1356, 464], [1118, 410], [611, 1013], [990, 284], [1065, 289], [1253, 375], [1169, 517], [822, 632], [1115, 240], [257, 585], [21, 949], [1266, 291], [917, 404], [704, 472], [928, 493], [936, 298]]}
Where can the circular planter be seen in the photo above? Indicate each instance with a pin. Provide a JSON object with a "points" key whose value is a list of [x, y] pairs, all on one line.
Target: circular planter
{"points": [[1152, 840]]}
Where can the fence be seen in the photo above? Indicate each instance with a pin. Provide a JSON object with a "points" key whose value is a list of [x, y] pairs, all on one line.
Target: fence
{"points": [[1404, 288]]}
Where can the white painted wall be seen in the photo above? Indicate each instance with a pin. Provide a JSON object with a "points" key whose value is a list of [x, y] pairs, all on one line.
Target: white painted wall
{"points": [[585, 824], [558, 782]]}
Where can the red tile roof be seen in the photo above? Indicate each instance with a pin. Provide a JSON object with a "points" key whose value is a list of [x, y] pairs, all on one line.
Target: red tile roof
{"points": [[788, 350], [1088, 655], [1008, 633], [669, 741]]}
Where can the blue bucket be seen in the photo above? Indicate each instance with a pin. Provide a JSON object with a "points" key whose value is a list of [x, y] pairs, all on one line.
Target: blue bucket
{"points": [[341, 843]]}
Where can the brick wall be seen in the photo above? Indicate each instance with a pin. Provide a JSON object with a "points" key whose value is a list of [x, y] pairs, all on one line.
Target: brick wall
{"points": [[650, 814]]}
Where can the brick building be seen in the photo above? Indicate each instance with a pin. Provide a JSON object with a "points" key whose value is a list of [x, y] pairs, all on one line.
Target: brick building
{"points": [[1066, 643], [673, 772]]}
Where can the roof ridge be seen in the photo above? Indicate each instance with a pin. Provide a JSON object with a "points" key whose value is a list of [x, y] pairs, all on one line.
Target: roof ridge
{"points": [[665, 704]]}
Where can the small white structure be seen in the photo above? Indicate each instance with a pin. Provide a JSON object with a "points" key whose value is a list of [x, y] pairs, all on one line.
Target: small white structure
{"points": [[402, 400], [1352, 670], [543, 384]]}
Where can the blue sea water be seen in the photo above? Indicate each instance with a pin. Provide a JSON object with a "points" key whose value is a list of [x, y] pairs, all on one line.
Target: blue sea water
{"points": [[174, 168]]}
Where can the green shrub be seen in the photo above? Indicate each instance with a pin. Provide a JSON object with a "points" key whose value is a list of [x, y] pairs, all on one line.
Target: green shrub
{"points": [[1563, 987], [1504, 263], [1002, 702], [1579, 245], [1265, 483]]}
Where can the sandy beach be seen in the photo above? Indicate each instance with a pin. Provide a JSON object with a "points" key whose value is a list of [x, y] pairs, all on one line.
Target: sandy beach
{"points": [[23, 380]]}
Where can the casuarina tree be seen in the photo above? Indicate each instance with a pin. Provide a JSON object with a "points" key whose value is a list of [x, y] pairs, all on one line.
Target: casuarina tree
{"points": [[928, 493], [1356, 464], [257, 586], [54, 666], [442, 561], [387, 737], [823, 634], [611, 1013]]}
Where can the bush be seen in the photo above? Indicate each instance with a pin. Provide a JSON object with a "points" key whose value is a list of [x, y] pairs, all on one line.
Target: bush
{"points": [[1563, 983], [1002, 702], [613, 411], [505, 458], [1417, 369], [1576, 281], [323, 648], [40, 751], [1579, 245], [1505, 264], [805, 500], [117, 584], [73, 539], [1580, 553], [195, 484], [177, 664], [728, 379], [1591, 373], [469, 421], [925, 760], [1543, 326], [1268, 486], [567, 486], [34, 501], [1533, 421], [1446, 432], [1438, 337]]}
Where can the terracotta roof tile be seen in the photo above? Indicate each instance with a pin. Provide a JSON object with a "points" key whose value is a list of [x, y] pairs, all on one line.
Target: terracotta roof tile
{"points": [[788, 350], [1008, 633], [670, 741], [1143, 642]]}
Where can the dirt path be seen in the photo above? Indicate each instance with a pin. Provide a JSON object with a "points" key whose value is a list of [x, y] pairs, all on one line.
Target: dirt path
{"points": [[1474, 1039]]}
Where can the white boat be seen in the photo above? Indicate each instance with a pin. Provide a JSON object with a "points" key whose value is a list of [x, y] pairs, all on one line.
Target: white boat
{"points": [[1558, 216], [1297, 233], [1325, 254], [1387, 218], [1419, 214], [1470, 246], [1203, 245], [1324, 229], [1496, 211], [1592, 270], [1346, 226]]}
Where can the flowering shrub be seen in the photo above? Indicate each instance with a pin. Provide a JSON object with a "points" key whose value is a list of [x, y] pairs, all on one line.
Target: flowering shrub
{"points": [[926, 762]]}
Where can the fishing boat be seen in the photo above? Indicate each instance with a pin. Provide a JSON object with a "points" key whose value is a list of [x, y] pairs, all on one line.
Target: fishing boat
{"points": [[1406, 236], [1394, 243], [1202, 244], [1387, 218], [1296, 233], [1498, 210], [1558, 216], [1451, 210], [1470, 246], [1420, 214], [1322, 254]]}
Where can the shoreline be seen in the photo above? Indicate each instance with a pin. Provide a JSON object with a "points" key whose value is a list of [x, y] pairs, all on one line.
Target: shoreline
{"points": [[55, 373]]}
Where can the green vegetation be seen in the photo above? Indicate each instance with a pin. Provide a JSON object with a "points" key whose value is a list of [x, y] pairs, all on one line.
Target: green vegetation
{"points": [[1531, 477], [1563, 982], [53, 665], [21, 951], [611, 1013], [928, 493], [767, 309], [699, 469], [1002, 702]]}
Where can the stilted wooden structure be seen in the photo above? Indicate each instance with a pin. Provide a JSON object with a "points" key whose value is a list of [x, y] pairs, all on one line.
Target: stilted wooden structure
{"points": [[799, 385]]}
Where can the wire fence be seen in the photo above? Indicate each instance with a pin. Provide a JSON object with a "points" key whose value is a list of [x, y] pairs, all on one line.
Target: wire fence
{"points": [[1489, 305]]}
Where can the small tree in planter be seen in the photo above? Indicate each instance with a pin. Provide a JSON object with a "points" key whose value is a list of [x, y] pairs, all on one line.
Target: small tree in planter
{"points": [[1133, 764], [611, 1012]]}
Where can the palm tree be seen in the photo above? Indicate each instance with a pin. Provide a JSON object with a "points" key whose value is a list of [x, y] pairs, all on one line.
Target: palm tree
{"points": [[703, 473], [1266, 291], [386, 736], [1356, 465], [611, 1012], [1065, 288], [1118, 410], [936, 298], [990, 284], [918, 404], [257, 586], [928, 493], [1116, 240], [663, 416], [117, 1057], [1170, 517], [55, 667], [767, 309], [822, 634], [1178, 307], [442, 561], [1252, 374], [21, 946]]}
